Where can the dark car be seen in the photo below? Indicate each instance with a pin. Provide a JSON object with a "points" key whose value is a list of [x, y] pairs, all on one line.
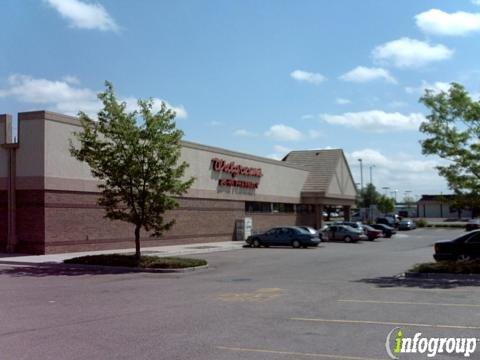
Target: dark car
{"points": [[372, 233], [345, 233], [386, 221], [407, 224], [388, 231], [464, 247], [473, 224], [284, 236]]}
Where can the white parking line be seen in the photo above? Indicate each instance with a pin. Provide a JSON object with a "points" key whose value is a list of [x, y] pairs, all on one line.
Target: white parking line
{"points": [[294, 353], [357, 322], [406, 303]]}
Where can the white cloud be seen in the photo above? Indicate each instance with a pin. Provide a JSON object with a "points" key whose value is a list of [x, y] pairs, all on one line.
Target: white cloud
{"points": [[70, 79], [244, 133], [280, 152], [84, 15], [436, 87], [313, 78], [476, 2], [397, 104], [132, 105], [284, 133], [365, 74], [406, 52], [314, 134], [343, 101], [65, 97], [281, 149], [376, 120], [400, 171], [438, 22]]}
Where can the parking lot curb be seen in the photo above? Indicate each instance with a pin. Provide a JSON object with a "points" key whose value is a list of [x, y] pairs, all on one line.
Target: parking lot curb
{"points": [[441, 276], [107, 268]]}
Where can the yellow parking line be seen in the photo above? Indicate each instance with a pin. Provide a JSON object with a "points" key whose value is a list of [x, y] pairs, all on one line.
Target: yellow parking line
{"points": [[294, 353], [357, 322], [406, 303]]}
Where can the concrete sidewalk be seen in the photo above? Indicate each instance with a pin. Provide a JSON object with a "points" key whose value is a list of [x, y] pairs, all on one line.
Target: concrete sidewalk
{"points": [[173, 250]]}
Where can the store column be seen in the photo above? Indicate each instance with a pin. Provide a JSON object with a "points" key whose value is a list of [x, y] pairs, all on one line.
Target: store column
{"points": [[318, 216], [346, 213]]}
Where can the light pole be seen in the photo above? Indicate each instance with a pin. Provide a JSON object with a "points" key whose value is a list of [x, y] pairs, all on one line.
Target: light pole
{"points": [[371, 167], [361, 173], [394, 192]]}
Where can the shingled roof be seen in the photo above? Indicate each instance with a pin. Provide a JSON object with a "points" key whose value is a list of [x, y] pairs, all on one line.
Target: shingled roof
{"points": [[321, 164]]}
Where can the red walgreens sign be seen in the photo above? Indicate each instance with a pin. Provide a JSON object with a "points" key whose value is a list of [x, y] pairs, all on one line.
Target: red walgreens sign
{"points": [[233, 169]]}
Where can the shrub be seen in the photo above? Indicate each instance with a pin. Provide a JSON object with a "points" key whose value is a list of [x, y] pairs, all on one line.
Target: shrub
{"points": [[155, 262], [421, 223], [452, 267]]}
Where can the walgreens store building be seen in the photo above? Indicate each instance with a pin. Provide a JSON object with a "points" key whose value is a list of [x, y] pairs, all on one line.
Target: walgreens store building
{"points": [[48, 200]]}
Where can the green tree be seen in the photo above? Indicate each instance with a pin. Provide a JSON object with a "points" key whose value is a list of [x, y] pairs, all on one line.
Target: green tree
{"points": [[368, 196], [453, 131], [135, 155], [386, 204], [409, 201]]}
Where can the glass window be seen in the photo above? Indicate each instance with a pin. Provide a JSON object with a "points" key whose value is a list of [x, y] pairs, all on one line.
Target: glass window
{"points": [[283, 208], [258, 207]]}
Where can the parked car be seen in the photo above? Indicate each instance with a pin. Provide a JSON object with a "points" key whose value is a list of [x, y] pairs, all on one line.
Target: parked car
{"points": [[407, 224], [372, 233], [388, 231], [465, 247], [284, 236], [386, 221], [472, 224], [312, 231], [354, 224], [345, 233]]}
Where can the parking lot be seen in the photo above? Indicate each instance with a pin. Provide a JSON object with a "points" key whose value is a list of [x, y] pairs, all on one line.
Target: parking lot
{"points": [[338, 301]]}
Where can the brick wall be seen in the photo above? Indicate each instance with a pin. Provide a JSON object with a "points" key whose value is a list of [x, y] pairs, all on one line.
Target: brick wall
{"points": [[74, 222], [3, 220]]}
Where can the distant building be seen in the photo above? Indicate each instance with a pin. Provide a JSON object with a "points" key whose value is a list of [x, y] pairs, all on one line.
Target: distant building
{"points": [[439, 206]]}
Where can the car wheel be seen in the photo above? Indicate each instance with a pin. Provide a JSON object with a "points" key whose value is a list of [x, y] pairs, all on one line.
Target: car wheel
{"points": [[347, 239], [256, 243], [296, 244], [463, 257]]}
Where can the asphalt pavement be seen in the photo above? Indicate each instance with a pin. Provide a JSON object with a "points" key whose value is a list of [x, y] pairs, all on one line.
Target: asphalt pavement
{"points": [[338, 301]]}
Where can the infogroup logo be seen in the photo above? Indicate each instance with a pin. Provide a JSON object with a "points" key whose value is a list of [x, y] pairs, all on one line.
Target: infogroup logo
{"points": [[397, 343]]}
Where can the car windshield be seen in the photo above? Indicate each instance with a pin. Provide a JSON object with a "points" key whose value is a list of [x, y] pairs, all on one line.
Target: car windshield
{"points": [[303, 230], [474, 221]]}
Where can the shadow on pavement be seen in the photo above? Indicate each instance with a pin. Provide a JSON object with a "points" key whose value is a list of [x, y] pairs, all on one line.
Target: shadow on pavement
{"points": [[401, 282], [59, 270]]}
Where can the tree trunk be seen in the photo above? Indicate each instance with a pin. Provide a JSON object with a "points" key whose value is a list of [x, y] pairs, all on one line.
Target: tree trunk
{"points": [[137, 242]]}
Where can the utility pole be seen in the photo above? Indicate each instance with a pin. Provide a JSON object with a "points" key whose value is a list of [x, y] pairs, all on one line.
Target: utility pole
{"points": [[361, 173]]}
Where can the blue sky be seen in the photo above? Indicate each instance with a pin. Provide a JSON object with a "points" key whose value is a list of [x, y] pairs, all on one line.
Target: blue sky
{"points": [[262, 77]]}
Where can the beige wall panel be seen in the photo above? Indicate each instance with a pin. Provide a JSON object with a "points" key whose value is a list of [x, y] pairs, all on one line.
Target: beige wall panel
{"points": [[30, 153], [277, 180], [58, 161]]}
